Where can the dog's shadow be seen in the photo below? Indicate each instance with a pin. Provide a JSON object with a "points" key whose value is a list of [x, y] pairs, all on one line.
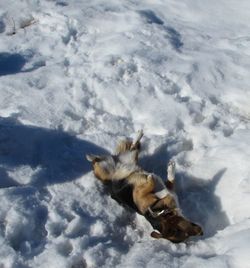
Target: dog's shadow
{"points": [[50, 156], [200, 203], [197, 196]]}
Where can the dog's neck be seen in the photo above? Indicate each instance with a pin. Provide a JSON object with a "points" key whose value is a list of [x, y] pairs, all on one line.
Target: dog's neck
{"points": [[124, 171]]}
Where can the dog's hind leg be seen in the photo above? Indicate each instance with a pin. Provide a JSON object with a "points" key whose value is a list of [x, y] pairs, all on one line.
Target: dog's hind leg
{"points": [[123, 146], [128, 145], [136, 143], [171, 175]]}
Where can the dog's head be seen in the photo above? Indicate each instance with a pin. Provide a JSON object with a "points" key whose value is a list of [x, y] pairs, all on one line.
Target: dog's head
{"points": [[176, 228], [103, 166]]}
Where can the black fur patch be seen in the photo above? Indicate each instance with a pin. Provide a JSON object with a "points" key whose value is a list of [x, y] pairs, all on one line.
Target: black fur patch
{"points": [[122, 192]]}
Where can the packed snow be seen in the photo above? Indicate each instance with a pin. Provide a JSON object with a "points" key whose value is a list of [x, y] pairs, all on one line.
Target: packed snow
{"points": [[75, 77]]}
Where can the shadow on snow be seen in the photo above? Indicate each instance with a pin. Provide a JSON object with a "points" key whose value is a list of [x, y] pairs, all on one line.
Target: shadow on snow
{"points": [[200, 203], [172, 34], [11, 63], [197, 196], [14, 63], [55, 156]]}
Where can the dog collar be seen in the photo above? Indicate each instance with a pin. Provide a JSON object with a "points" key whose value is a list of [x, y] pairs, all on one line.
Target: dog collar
{"points": [[156, 214], [153, 216], [165, 211]]}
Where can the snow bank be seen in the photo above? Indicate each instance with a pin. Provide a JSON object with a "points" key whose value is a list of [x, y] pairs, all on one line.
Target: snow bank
{"points": [[76, 76]]}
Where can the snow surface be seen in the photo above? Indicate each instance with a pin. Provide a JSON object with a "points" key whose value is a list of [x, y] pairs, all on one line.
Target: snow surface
{"points": [[76, 76]]}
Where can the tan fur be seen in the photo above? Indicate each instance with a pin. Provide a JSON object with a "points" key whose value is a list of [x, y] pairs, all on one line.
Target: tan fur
{"points": [[167, 201], [143, 195], [101, 173], [123, 146], [127, 145]]}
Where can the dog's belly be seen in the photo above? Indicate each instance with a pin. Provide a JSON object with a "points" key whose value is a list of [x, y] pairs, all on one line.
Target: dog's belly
{"points": [[122, 192]]}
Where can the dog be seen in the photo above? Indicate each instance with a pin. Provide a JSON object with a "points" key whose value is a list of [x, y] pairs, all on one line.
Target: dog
{"points": [[144, 192]]}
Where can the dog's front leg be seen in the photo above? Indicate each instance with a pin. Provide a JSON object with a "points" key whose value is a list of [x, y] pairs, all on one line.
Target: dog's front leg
{"points": [[171, 175]]}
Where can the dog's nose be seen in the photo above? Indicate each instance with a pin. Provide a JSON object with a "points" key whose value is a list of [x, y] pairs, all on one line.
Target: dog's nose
{"points": [[198, 230]]}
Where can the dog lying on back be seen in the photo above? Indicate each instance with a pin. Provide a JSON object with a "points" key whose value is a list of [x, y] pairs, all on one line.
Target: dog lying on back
{"points": [[144, 192]]}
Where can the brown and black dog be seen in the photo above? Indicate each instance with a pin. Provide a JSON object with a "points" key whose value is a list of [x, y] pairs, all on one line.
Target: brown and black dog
{"points": [[144, 192]]}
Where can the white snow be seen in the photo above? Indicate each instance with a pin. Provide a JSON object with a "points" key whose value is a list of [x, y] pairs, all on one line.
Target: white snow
{"points": [[75, 77]]}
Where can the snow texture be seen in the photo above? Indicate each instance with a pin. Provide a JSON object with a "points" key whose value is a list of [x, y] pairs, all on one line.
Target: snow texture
{"points": [[75, 77]]}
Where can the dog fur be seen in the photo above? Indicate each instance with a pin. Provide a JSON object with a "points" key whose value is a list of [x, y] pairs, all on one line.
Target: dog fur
{"points": [[150, 197]]}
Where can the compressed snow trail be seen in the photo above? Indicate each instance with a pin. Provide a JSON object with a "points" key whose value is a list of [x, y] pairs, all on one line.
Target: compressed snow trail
{"points": [[75, 77]]}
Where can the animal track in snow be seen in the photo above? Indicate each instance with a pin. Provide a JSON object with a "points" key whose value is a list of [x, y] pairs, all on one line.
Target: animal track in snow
{"points": [[71, 32], [25, 227], [150, 17], [2, 26], [65, 248], [174, 38]]}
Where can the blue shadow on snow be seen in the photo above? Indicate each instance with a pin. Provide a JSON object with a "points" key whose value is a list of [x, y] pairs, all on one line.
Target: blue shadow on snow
{"points": [[11, 63], [172, 34], [56, 155], [197, 196], [14, 63]]}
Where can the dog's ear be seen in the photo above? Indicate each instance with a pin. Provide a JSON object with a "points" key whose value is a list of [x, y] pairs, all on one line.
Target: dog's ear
{"points": [[150, 177], [93, 158], [156, 235]]}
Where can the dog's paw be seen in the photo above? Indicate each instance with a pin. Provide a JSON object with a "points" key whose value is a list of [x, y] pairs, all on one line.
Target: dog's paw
{"points": [[171, 170], [149, 177], [136, 144], [150, 180], [156, 235]]}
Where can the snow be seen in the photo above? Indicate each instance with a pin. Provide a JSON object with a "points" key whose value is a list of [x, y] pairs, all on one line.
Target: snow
{"points": [[75, 77]]}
